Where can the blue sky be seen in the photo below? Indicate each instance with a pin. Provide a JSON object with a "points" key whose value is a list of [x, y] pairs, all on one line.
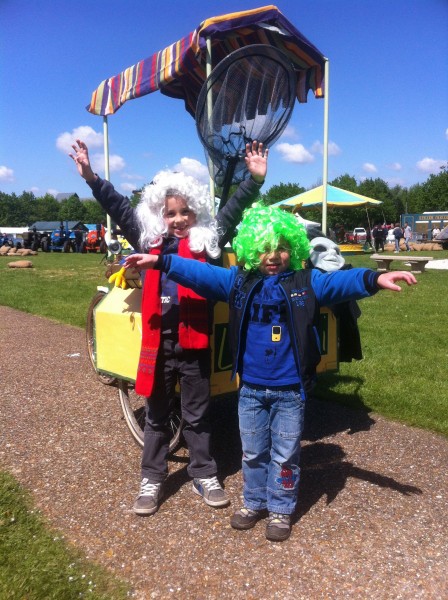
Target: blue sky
{"points": [[388, 91]]}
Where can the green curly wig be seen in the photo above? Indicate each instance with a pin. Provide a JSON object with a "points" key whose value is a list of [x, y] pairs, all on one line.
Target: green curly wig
{"points": [[262, 228]]}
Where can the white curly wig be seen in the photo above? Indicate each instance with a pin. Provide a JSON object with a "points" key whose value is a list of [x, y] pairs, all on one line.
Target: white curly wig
{"points": [[203, 235]]}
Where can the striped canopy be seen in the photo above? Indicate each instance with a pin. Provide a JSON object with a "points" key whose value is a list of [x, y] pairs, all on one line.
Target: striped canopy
{"points": [[180, 69], [336, 198]]}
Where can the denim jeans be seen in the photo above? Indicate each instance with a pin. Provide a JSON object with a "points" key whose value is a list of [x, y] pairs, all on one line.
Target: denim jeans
{"points": [[271, 424]]}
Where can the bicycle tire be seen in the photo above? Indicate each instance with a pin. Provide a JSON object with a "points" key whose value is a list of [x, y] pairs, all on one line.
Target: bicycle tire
{"points": [[133, 407]]}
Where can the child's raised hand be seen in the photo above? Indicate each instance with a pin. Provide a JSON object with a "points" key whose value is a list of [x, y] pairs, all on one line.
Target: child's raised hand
{"points": [[141, 261], [81, 158], [257, 160], [387, 280]]}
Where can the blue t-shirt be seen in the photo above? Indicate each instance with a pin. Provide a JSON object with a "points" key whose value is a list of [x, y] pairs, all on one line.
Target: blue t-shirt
{"points": [[268, 358]]}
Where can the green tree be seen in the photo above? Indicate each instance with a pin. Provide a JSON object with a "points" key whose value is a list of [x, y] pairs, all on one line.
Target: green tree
{"points": [[93, 212], [71, 209], [435, 191], [282, 191], [345, 182], [47, 208]]}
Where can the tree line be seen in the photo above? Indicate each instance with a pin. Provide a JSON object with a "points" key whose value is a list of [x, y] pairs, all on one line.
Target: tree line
{"points": [[432, 195]]}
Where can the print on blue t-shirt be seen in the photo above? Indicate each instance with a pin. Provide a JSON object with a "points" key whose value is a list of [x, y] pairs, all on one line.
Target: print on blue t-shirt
{"points": [[268, 359]]}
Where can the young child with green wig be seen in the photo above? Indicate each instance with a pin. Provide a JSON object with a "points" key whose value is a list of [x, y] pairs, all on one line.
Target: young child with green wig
{"points": [[274, 307]]}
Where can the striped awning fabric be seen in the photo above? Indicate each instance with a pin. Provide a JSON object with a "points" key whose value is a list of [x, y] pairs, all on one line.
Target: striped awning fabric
{"points": [[178, 71]]}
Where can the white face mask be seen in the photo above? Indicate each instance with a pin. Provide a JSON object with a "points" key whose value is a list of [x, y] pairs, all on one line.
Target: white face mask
{"points": [[326, 255]]}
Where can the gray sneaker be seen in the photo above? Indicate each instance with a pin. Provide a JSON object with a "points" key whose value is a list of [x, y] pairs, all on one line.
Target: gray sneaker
{"points": [[210, 489], [245, 518], [148, 499], [278, 527]]}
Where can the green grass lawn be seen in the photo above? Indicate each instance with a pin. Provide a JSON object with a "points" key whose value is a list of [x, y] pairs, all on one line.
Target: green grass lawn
{"points": [[402, 375], [35, 561], [59, 286]]}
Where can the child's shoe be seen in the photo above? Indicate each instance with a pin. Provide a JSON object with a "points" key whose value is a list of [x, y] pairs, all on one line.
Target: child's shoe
{"points": [[148, 499], [210, 489], [245, 518], [278, 527]]}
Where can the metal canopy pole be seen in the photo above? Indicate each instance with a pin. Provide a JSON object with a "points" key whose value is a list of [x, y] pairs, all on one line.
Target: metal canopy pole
{"points": [[325, 153], [106, 173], [208, 70]]}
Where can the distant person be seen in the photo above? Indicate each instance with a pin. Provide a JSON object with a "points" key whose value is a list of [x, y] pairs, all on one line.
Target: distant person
{"points": [[379, 235], [398, 235], [274, 307], [435, 232], [407, 233], [79, 240]]}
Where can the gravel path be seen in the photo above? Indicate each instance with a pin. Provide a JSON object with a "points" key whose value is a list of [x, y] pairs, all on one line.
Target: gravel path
{"points": [[372, 516]]}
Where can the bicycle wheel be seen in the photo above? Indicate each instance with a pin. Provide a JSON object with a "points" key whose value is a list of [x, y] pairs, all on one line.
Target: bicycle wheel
{"points": [[90, 336], [133, 407]]}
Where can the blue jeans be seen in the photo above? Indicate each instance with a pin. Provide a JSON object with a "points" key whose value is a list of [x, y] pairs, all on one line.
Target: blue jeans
{"points": [[271, 424]]}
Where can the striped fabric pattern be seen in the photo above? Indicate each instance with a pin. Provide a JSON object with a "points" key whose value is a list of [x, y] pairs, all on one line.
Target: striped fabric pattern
{"points": [[178, 71]]}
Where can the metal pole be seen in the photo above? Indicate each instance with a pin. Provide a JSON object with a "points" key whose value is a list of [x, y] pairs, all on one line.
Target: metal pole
{"points": [[106, 172], [325, 153], [208, 70]]}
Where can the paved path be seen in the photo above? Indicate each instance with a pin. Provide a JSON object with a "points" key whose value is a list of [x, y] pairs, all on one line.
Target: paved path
{"points": [[372, 516]]}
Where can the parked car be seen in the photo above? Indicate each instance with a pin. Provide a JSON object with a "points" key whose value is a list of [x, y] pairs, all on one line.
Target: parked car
{"points": [[357, 236]]}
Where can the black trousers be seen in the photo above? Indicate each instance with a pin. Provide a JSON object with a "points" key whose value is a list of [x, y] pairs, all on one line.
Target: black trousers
{"points": [[192, 370]]}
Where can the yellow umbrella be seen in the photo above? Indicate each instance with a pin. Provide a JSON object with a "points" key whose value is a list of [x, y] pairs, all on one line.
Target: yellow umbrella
{"points": [[336, 198]]}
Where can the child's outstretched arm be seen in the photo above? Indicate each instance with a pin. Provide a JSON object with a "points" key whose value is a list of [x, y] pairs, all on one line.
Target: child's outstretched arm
{"points": [[247, 192], [257, 161], [82, 161], [386, 281], [141, 261]]}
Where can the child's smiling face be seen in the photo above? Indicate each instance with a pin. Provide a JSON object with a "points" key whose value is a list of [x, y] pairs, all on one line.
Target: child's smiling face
{"points": [[178, 217], [273, 262]]}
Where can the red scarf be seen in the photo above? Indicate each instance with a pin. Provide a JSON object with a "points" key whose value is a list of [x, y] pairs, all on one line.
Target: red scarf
{"points": [[193, 320]]}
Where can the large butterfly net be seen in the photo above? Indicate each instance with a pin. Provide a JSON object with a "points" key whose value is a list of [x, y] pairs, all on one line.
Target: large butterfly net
{"points": [[248, 96]]}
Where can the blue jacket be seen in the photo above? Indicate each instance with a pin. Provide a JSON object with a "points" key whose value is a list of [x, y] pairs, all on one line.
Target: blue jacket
{"points": [[305, 291]]}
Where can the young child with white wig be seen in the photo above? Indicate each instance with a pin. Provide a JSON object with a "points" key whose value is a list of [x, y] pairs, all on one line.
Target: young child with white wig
{"points": [[174, 217], [151, 212]]}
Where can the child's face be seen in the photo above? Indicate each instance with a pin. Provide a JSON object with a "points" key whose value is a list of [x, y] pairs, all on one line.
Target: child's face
{"points": [[178, 217], [275, 261]]}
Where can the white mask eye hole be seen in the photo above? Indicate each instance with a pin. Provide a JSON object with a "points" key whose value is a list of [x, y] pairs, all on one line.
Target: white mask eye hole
{"points": [[320, 248]]}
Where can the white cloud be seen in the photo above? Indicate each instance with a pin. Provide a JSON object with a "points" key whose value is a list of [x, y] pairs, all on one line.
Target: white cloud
{"points": [[395, 166], [191, 166], [295, 153], [53, 192], [430, 165], [369, 168], [6, 174], [85, 133], [333, 148], [446, 133], [116, 162]]}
